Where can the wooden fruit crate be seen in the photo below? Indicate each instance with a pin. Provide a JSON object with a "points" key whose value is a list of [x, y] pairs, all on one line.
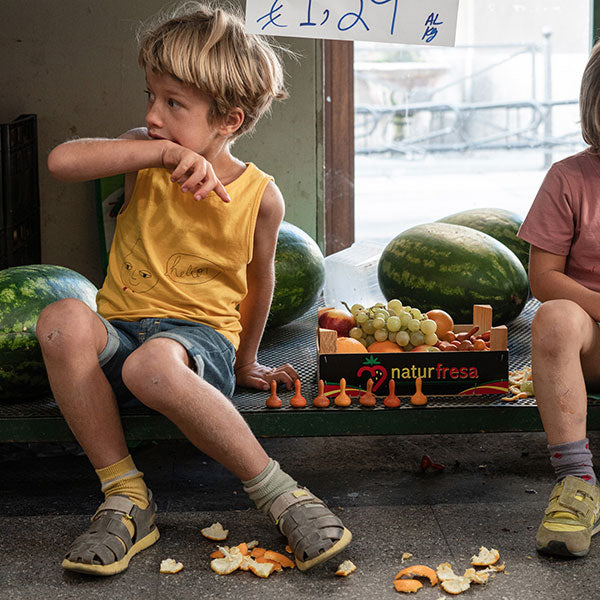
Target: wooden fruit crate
{"points": [[441, 373]]}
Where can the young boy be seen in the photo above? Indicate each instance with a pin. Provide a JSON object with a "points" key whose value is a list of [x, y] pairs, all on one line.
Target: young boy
{"points": [[562, 228], [187, 292]]}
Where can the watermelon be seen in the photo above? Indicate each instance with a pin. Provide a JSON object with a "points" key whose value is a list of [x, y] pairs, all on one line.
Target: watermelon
{"points": [[299, 275], [24, 292], [440, 265], [501, 224]]}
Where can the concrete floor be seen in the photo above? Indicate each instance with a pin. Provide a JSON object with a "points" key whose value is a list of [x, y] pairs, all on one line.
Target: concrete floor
{"points": [[492, 493]]}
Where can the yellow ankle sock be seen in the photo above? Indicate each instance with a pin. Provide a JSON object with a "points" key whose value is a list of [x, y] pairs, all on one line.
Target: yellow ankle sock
{"points": [[123, 478]]}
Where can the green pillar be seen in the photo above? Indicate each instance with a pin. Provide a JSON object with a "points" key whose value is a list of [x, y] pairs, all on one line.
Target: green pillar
{"points": [[595, 20]]}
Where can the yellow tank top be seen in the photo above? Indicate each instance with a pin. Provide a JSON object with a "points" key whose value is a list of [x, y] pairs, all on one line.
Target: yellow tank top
{"points": [[175, 257]]}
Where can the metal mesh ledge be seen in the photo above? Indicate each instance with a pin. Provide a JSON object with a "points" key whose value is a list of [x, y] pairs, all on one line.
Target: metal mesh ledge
{"points": [[40, 419]]}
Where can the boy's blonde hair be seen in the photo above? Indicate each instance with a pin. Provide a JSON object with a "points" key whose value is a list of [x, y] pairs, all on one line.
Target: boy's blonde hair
{"points": [[589, 100], [207, 47]]}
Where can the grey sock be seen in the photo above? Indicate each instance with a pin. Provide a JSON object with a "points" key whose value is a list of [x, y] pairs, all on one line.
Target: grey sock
{"points": [[573, 458], [266, 486]]}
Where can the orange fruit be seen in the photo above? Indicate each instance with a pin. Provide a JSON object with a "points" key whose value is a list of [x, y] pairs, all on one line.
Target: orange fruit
{"points": [[444, 321], [347, 345], [385, 346]]}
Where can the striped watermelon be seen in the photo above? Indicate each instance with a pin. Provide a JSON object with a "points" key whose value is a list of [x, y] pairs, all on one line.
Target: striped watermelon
{"points": [[299, 275], [24, 292], [440, 265], [501, 224]]}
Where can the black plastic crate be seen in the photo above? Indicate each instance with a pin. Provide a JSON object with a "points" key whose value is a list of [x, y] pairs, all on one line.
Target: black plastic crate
{"points": [[19, 188]]}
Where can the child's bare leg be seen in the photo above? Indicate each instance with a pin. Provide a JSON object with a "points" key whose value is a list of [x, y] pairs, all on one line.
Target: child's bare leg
{"points": [[565, 355], [565, 352], [71, 337], [158, 374]]}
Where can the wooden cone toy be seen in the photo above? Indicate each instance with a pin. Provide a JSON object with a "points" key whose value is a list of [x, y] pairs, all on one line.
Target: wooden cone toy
{"points": [[273, 401], [342, 399], [418, 398], [321, 400], [391, 400], [297, 400], [368, 399]]}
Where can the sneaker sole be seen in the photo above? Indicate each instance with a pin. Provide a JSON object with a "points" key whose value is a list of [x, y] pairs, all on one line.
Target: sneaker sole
{"points": [[335, 549], [557, 548], [118, 566]]}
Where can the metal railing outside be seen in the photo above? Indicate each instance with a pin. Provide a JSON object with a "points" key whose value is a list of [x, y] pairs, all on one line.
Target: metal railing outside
{"points": [[414, 128]]}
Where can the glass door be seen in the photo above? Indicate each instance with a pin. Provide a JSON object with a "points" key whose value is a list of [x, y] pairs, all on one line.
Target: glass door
{"points": [[441, 130]]}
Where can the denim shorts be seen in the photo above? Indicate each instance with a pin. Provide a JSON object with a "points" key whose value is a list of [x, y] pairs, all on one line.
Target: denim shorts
{"points": [[212, 354]]}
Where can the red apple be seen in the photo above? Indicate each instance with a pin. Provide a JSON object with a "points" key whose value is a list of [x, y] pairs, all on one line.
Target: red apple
{"points": [[425, 348], [338, 320]]}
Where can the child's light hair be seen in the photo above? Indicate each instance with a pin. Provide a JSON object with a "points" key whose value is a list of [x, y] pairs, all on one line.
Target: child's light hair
{"points": [[589, 100], [207, 47]]}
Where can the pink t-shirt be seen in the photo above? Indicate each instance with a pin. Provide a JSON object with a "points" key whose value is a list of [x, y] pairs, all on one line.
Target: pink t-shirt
{"points": [[564, 218]]}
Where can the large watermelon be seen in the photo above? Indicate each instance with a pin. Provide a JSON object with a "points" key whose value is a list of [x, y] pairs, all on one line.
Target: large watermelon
{"points": [[501, 224], [440, 265], [299, 275], [24, 292]]}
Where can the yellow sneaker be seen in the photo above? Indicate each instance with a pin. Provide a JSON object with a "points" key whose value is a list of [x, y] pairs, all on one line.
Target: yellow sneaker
{"points": [[571, 519]]}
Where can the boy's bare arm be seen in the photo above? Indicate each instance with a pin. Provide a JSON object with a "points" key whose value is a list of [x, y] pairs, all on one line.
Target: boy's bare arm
{"points": [[548, 282], [254, 309], [91, 158]]}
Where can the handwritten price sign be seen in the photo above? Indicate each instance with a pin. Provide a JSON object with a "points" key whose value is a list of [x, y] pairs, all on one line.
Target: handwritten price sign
{"points": [[429, 22]]}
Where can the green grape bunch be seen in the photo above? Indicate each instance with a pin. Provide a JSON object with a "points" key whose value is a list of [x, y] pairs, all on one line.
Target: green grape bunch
{"points": [[406, 326]]}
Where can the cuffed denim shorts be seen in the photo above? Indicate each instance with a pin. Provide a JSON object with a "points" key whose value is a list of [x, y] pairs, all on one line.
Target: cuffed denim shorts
{"points": [[212, 354]]}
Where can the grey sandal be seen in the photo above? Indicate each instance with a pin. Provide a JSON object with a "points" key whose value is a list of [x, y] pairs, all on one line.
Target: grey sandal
{"points": [[107, 546], [314, 533]]}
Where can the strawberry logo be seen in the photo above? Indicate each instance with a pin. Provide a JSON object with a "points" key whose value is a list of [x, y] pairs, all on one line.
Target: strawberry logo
{"points": [[376, 372]]}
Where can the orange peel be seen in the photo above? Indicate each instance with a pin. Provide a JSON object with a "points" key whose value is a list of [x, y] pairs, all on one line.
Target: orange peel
{"points": [[475, 576], [215, 532], [262, 560], [457, 585], [262, 570], [246, 562], [486, 557], [257, 552], [170, 565], [345, 568], [283, 560], [444, 572], [407, 585], [418, 571], [230, 563]]}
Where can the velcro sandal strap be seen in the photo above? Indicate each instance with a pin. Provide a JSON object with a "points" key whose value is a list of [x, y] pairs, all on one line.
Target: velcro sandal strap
{"points": [[117, 503], [287, 499], [576, 496]]}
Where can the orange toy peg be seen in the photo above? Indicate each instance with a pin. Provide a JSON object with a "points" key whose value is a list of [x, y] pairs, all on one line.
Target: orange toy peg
{"points": [[342, 399], [321, 400], [274, 401], [297, 400], [391, 400], [368, 399], [418, 398]]}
